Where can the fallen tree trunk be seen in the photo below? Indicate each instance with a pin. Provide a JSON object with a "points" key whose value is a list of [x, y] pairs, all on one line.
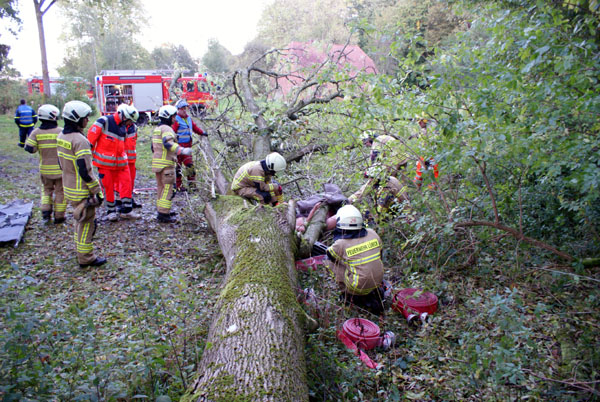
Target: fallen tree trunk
{"points": [[255, 346]]}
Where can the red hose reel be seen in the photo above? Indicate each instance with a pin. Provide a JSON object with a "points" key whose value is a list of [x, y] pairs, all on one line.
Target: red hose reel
{"points": [[415, 303]]}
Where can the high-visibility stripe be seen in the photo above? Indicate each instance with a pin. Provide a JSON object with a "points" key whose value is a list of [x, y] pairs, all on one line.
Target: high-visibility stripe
{"points": [[31, 142], [63, 143], [49, 136], [50, 169], [362, 247], [46, 146]]}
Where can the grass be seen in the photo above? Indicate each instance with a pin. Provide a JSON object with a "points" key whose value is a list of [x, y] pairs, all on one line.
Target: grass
{"points": [[132, 327], [508, 328]]}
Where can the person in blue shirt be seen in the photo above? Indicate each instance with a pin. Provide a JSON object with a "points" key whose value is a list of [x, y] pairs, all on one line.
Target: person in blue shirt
{"points": [[25, 118]]}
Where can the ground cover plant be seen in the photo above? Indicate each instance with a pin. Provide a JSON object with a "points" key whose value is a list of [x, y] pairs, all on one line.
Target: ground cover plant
{"points": [[506, 237]]}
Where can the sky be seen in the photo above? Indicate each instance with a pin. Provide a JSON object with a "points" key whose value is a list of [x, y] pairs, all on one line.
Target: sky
{"points": [[232, 22]]}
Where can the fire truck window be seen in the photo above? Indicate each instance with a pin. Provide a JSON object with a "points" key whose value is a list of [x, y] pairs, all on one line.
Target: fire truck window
{"points": [[189, 86], [35, 87], [203, 87]]}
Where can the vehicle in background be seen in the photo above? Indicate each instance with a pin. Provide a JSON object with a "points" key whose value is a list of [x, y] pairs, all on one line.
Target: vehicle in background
{"points": [[35, 85], [196, 90], [148, 90]]}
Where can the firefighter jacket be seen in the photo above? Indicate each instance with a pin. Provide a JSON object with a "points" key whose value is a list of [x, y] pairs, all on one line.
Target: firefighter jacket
{"points": [[75, 158], [107, 138], [184, 127], [252, 175], [361, 257], [25, 116], [44, 140], [164, 148], [131, 143], [383, 146]]}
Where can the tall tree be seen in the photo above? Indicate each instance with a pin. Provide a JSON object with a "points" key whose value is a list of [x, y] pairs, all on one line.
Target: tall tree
{"points": [[8, 12], [217, 58], [102, 35], [39, 16], [170, 56], [289, 20]]}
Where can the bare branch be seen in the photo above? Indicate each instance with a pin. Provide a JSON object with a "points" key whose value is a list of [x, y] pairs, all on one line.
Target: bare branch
{"points": [[517, 235]]}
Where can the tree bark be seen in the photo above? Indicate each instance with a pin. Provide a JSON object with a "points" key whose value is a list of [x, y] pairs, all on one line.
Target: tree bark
{"points": [[261, 143], [255, 345], [39, 16]]}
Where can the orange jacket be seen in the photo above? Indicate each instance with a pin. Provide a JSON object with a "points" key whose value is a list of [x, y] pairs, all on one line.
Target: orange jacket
{"points": [[107, 138], [131, 143]]}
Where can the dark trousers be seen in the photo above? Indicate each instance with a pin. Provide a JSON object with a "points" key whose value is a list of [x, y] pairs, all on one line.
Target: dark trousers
{"points": [[23, 134]]}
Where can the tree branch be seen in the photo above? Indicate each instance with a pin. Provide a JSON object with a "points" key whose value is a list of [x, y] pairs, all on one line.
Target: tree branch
{"points": [[517, 235]]}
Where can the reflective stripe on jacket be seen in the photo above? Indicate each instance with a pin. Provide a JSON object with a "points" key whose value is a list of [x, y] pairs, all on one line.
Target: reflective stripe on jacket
{"points": [[25, 116], [71, 147], [108, 143], [361, 258], [251, 175], [164, 148], [131, 143], [45, 142], [184, 130]]}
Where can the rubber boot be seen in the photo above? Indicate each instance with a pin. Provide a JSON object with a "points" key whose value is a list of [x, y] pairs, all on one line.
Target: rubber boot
{"points": [[166, 218], [46, 215]]}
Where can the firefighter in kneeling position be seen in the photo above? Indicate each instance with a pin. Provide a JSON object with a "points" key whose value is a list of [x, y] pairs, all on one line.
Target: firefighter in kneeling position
{"points": [[355, 260], [43, 139], [164, 157], [254, 180], [80, 183]]}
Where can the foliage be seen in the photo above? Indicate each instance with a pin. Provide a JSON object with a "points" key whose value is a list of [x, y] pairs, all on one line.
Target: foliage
{"points": [[217, 58], [285, 21], [102, 36], [11, 92], [171, 57], [8, 14], [132, 330]]}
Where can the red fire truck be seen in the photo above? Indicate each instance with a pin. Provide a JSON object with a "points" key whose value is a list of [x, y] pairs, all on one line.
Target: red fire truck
{"points": [[148, 90], [35, 85]]}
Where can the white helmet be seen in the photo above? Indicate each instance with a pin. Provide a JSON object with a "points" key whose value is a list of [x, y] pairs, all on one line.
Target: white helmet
{"points": [[48, 112], [128, 112], [275, 162], [349, 218], [76, 110], [166, 111]]}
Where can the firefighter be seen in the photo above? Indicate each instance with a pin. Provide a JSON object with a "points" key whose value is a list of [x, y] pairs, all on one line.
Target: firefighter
{"points": [[184, 126], [389, 197], [43, 139], [164, 157], [81, 186], [425, 164], [25, 118], [131, 137], [253, 180], [107, 137], [355, 260]]}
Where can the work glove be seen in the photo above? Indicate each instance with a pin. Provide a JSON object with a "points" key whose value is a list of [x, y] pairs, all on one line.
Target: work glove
{"points": [[277, 188], [95, 200], [184, 151]]}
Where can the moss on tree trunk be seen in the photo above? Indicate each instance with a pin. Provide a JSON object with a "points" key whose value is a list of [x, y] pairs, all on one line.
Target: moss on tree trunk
{"points": [[255, 346]]}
